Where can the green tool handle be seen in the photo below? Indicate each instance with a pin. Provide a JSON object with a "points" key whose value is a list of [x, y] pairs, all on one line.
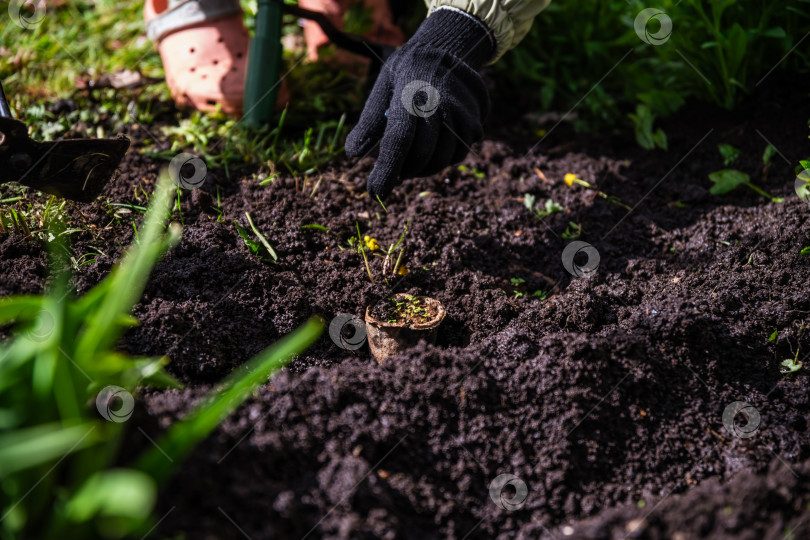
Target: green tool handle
{"points": [[264, 65]]}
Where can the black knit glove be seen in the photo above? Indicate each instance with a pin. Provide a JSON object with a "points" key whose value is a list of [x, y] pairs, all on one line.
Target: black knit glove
{"points": [[428, 103]]}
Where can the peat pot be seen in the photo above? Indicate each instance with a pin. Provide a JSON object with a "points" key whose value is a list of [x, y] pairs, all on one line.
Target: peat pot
{"points": [[386, 338]]}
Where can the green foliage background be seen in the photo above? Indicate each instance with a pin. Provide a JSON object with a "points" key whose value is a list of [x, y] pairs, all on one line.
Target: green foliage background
{"points": [[718, 51]]}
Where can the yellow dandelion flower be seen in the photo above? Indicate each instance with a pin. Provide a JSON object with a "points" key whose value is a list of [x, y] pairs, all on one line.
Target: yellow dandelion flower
{"points": [[570, 178], [371, 243]]}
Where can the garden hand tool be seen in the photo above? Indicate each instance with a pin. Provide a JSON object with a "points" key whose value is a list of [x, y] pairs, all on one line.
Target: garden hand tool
{"points": [[76, 169], [264, 58]]}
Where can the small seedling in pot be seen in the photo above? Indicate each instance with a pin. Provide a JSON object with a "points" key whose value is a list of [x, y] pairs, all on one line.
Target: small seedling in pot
{"points": [[791, 365], [407, 309], [730, 179]]}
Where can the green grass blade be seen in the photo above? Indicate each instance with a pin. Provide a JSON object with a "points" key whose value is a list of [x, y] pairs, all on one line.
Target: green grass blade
{"points": [[25, 448]]}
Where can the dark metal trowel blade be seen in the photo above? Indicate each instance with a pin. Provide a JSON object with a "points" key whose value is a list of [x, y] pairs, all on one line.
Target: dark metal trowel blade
{"points": [[76, 169]]}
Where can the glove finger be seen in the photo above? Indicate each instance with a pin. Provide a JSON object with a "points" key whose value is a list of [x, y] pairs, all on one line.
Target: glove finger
{"points": [[444, 150], [371, 126], [423, 147], [394, 150]]}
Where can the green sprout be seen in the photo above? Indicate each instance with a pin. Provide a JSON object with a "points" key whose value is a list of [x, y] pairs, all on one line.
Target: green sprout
{"points": [[728, 180], [572, 231], [475, 172], [729, 153], [361, 248], [540, 295], [254, 246], [791, 365], [550, 207]]}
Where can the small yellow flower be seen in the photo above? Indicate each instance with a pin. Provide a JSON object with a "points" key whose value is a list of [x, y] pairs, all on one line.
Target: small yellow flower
{"points": [[371, 243], [572, 179], [403, 270]]}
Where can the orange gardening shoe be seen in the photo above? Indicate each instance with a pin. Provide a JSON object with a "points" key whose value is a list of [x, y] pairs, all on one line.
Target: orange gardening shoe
{"points": [[383, 30], [204, 48]]}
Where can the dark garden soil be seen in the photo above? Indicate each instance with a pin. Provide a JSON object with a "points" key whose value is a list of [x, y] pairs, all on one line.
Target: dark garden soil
{"points": [[606, 399]]}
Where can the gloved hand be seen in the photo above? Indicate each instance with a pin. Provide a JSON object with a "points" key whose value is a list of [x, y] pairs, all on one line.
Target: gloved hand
{"points": [[428, 103]]}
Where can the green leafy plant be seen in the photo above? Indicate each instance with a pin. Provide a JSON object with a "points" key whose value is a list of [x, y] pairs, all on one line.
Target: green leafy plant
{"points": [[572, 231], [59, 470], [586, 57], [729, 153], [728, 180], [519, 289], [643, 123], [540, 294], [791, 365]]}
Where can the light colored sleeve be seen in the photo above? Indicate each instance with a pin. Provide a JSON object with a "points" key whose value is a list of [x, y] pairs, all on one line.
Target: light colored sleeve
{"points": [[508, 20]]}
